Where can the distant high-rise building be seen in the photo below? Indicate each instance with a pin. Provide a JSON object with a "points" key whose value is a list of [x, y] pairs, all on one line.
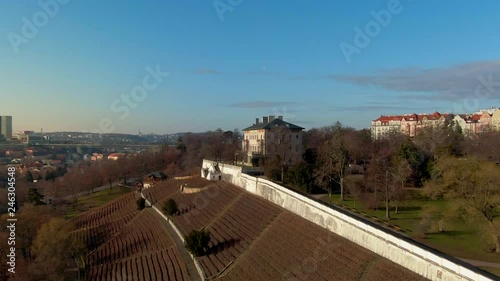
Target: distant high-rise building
{"points": [[6, 127]]}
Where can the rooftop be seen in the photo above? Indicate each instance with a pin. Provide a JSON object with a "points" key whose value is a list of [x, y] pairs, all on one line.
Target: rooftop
{"points": [[269, 122]]}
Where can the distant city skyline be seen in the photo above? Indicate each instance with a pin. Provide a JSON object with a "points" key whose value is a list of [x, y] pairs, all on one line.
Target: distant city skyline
{"points": [[168, 67], [6, 127]]}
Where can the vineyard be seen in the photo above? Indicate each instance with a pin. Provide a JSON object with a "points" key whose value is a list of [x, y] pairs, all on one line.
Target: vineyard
{"points": [[165, 189], [295, 249], [253, 239], [100, 224], [125, 244]]}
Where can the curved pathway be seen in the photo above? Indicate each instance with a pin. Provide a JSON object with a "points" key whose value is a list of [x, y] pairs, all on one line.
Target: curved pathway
{"points": [[188, 260]]}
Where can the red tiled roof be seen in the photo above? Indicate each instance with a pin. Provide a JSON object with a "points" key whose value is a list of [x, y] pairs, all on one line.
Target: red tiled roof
{"points": [[389, 118], [411, 117], [476, 117]]}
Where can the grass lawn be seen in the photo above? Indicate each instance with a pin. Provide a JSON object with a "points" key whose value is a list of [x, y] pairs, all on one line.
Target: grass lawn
{"points": [[459, 239], [495, 271], [99, 198]]}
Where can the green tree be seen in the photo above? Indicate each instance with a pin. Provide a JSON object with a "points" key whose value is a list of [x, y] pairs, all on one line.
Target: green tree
{"points": [[473, 186], [141, 204], [33, 217], [197, 241], [432, 219], [170, 208], [29, 176], [300, 175], [409, 151], [181, 146], [51, 176], [255, 161], [34, 197]]}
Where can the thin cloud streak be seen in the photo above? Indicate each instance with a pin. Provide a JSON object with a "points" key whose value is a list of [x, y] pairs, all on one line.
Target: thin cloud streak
{"points": [[449, 83], [259, 104], [207, 71], [374, 108]]}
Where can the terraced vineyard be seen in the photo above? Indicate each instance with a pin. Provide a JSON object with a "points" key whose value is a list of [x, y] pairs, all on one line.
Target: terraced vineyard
{"points": [[253, 239], [235, 230], [109, 212], [160, 265], [295, 249], [167, 188], [143, 250], [125, 244], [98, 225]]}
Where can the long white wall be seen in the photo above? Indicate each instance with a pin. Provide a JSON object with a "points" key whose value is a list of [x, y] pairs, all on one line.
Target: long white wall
{"points": [[403, 251]]}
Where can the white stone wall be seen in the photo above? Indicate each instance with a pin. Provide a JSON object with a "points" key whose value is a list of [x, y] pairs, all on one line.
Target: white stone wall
{"points": [[231, 173], [397, 249]]}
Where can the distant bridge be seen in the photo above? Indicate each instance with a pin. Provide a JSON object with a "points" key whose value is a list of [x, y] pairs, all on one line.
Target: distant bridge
{"points": [[83, 145]]}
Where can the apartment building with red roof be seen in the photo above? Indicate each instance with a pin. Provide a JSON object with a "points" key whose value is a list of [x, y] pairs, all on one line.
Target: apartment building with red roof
{"points": [[410, 124]]}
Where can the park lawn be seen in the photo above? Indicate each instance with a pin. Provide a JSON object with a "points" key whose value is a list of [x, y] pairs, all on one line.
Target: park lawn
{"points": [[408, 216], [459, 239], [97, 199], [495, 271]]}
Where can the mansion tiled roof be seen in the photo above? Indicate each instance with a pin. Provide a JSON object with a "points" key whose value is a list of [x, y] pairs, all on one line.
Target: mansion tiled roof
{"points": [[275, 123]]}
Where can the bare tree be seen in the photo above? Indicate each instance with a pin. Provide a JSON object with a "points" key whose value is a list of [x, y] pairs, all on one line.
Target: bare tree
{"points": [[110, 172], [333, 161], [401, 171], [380, 179], [485, 145], [278, 149], [388, 171], [440, 140]]}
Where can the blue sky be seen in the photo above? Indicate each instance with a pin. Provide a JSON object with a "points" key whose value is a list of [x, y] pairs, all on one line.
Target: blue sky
{"points": [[258, 58]]}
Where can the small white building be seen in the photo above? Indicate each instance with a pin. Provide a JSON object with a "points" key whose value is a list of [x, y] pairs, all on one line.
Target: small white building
{"points": [[212, 172]]}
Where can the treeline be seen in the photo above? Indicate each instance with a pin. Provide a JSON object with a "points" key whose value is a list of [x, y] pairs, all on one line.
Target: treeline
{"points": [[184, 157], [440, 161], [333, 153], [45, 247]]}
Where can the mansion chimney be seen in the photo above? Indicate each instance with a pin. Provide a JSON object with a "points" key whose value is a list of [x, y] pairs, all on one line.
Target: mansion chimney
{"points": [[271, 118], [265, 119], [256, 121]]}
